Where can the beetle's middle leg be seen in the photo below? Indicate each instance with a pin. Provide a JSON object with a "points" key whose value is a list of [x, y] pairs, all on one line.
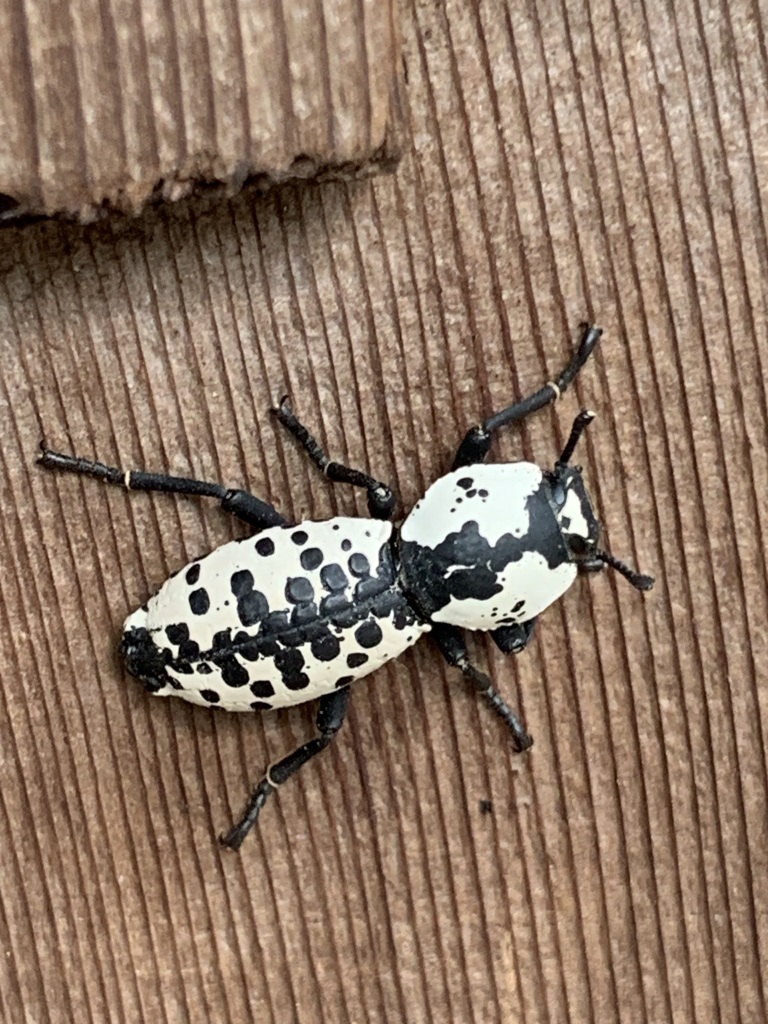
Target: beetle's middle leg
{"points": [[252, 510], [452, 647], [477, 441], [330, 718], [381, 500]]}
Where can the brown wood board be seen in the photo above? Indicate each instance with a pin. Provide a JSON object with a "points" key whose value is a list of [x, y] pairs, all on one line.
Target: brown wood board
{"points": [[110, 105], [587, 161]]}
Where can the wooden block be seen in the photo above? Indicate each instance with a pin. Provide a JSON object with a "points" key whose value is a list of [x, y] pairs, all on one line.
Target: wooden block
{"points": [[109, 105]]}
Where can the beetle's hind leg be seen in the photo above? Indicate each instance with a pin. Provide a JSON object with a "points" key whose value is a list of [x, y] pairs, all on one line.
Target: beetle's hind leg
{"points": [[245, 506], [330, 718], [381, 499]]}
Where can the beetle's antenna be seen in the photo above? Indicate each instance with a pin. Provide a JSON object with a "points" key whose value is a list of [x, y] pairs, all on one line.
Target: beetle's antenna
{"points": [[637, 579], [580, 424]]}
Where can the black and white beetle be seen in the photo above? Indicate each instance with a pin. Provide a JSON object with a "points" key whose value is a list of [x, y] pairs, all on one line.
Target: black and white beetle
{"points": [[299, 612]]}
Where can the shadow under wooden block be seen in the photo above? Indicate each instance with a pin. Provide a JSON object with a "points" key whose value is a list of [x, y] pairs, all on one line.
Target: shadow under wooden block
{"points": [[111, 105]]}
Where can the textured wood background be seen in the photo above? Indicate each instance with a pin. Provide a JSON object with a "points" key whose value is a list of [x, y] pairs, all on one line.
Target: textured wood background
{"points": [[109, 103], [595, 160]]}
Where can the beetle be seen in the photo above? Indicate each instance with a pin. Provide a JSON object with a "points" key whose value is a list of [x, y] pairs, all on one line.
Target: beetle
{"points": [[298, 612]]}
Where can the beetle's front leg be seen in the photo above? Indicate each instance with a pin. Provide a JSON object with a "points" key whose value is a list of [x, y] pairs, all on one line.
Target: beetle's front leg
{"points": [[477, 441], [514, 639], [452, 647]]}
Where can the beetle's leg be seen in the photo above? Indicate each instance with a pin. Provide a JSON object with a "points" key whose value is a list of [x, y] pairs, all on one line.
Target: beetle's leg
{"points": [[250, 509], [452, 647], [330, 718], [381, 500], [477, 441], [514, 639]]}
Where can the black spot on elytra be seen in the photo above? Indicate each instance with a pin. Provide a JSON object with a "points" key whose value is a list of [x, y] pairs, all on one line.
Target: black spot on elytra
{"points": [[290, 663], [311, 558], [262, 688], [346, 617], [193, 574], [211, 696], [232, 672], [325, 647], [359, 564], [265, 546], [178, 634], [252, 606], [274, 623], [368, 634], [299, 537], [369, 588], [519, 606], [304, 613], [356, 660], [222, 640], [472, 493], [344, 681], [346, 545], [483, 493], [246, 646], [268, 646], [333, 577], [199, 601], [204, 668], [465, 482], [183, 668], [299, 589], [260, 705], [386, 603], [333, 604]]}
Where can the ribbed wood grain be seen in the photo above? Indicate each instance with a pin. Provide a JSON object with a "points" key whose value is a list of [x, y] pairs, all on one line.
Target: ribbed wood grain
{"points": [[109, 104], [566, 162]]}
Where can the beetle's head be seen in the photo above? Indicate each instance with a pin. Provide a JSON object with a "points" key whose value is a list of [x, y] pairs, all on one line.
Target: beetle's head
{"points": [[576, 516]]}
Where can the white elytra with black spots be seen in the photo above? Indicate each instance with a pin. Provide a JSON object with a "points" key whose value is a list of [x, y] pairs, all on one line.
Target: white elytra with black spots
{"points": [[492, 526], [279, 618]]}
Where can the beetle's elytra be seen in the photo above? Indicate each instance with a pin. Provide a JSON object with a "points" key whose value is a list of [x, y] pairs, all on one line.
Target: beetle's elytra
{"points": [[298, 612]]}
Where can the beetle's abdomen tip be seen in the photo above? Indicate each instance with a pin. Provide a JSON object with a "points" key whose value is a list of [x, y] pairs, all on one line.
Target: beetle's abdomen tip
{"points": [[143, 658]]}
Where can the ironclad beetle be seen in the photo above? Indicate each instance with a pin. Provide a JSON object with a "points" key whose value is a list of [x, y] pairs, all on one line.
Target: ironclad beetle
{"points": [[298, 612]]}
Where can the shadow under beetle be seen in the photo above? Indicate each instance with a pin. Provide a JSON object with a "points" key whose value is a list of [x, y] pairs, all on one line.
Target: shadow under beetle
{"points": [[298, 612]]}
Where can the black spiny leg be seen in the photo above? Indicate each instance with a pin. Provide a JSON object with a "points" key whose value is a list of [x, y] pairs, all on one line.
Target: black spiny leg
{"points": [[330, 718], [477, 441], [514, 639], [381, 500], [452, 647], [252, 510]]}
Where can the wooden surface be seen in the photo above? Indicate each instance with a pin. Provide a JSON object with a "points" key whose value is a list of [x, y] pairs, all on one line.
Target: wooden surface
{"points": [[112, 104], [588, 161]]}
